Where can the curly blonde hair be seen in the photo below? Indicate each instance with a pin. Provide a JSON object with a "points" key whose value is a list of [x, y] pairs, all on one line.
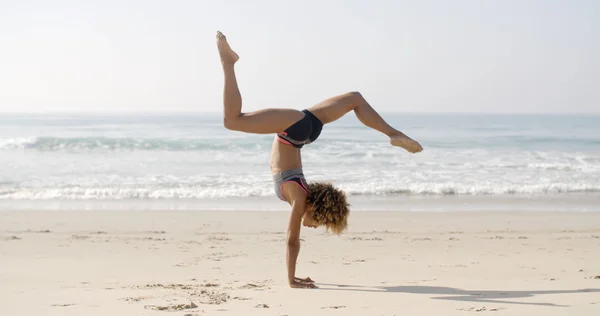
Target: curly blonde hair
{"points": [[329, 206]]}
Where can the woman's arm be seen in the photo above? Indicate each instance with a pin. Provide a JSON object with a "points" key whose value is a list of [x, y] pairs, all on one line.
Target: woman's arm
{"points": [[298, 198]]}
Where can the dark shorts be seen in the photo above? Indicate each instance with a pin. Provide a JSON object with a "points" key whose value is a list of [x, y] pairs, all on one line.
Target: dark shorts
{"points": [[304, 131]]}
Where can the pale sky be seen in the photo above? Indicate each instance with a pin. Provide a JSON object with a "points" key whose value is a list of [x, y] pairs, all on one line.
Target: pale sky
{"points": [[403, 56]]}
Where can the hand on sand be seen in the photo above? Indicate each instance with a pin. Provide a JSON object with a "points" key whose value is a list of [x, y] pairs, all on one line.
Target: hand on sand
{"points": [[305, 280], [302, 285]]}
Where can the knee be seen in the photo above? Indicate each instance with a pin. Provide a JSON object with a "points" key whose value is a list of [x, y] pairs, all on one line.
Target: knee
{"points": [[354, 95], [355, 98], [229, 123]]}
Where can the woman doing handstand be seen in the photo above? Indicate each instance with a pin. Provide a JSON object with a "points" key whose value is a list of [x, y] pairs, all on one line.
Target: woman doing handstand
{"points": [[313, 204]]}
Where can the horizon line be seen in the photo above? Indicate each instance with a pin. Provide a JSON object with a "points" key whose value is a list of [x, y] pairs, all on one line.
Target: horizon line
{"points": [[220, 113]]}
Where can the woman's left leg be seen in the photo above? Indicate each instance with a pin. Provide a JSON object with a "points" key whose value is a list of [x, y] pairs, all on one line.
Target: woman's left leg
{"points": [[264, 121]]}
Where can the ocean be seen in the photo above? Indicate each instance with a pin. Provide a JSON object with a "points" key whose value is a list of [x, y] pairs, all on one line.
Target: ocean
{"points": [[190, 161]]}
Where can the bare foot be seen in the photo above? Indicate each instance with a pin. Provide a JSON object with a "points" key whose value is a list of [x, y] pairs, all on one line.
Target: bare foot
{"points": [[406, 143], [228, 56]]}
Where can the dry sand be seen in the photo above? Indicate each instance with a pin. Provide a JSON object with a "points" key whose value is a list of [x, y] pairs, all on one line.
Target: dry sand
{"points": [[232, 263]]}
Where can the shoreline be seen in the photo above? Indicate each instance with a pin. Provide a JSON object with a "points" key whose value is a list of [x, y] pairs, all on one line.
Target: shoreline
{"points": [[571, 202]]}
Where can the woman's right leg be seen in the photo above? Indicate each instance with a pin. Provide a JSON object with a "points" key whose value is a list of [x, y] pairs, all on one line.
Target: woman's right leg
{"points": [[265, 121], [334, 108]]}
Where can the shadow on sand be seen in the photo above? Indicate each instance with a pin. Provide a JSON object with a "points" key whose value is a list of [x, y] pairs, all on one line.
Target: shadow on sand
{"points": [[458, 294]]}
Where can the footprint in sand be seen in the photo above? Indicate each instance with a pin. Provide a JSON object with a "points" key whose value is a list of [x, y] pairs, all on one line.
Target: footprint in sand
{"points": [[258, 286], [210, 285], [152, 239], [198, 292], [169, 286], [156, 232], [480, 309], [136, 299], [178, 307], [212, 297], [240, 298], [421, 239], [193, 242], [361, 238], [218, 238], [249, 286]]}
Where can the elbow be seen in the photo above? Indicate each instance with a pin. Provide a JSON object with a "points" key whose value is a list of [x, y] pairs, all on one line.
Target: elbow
{"points": [[293, 243]]}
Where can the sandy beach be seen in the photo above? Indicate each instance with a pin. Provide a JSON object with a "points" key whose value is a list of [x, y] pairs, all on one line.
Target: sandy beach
{"points": [[232, 263]]}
